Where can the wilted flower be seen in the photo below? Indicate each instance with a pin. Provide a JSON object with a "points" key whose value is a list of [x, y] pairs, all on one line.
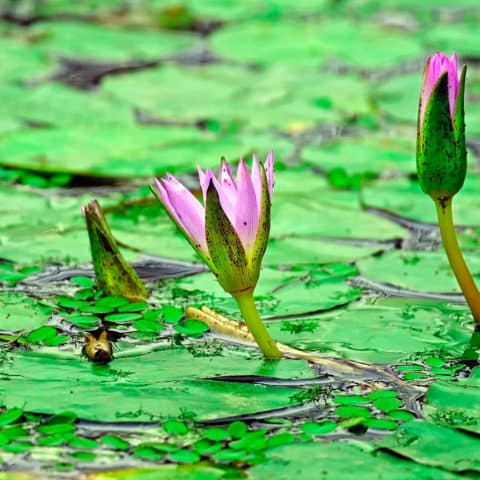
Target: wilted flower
{"points": [[441, 150], [229, 231]]}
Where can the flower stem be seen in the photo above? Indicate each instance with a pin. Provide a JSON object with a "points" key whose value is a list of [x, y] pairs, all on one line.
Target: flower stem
{"points": [[455, 257], [249, 311]]}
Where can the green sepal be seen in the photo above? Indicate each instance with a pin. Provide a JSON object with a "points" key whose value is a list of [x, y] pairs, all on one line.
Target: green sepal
{"points": [[113, 274], [225, 248], [263, 231], [441, 160]]}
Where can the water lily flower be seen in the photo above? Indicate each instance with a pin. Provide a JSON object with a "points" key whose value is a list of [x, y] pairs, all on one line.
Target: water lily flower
{"points": [[442, 156], [441, 149], [113, 273], [229, 230]]}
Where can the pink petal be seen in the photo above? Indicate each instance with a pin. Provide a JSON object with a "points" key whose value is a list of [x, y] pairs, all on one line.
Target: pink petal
{"points": [[202, 177], [435, 67], [227, 203], [246, 213], [269, 170], [166, 201], [453, 83], [227, 182], [425, 93], [96, 206], [186, 210], [257, 182]]}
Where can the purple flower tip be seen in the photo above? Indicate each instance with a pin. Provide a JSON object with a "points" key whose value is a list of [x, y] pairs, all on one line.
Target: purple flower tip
{"points": [[435, 67]]}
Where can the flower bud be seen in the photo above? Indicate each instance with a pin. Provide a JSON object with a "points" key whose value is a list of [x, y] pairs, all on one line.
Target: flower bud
{"points": [[113, 273], [441, 149]]}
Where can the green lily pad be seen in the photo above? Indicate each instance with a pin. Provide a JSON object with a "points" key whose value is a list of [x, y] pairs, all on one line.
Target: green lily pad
{"points": [[419, 271], [19, 312], [358, 331], [190, 472], [168, 382], [455, 404], [338, 460], [274, 97], [278, 292], [87, 40], [66, 107], [404, 197], [373, 154], [434, 445], [309, 43], [20, 61]]}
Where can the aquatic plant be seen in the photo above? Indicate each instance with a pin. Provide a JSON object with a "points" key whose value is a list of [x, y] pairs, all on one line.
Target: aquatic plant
{"points": [[229, 231], [442, 156], [113, 273]]}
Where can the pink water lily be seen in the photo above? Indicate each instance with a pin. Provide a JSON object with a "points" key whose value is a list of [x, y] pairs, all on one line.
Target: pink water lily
{"points": [[231, 234], [229, 230], [436, 66]]}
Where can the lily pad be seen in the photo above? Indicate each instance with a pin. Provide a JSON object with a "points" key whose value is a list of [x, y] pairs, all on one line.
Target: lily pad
{"points": [[167, 383], [19, 312], [75, 39], [455, 404], [420, 271], [358, 331], [338, 460], [278, 292], [308, 43], [434, 445]]}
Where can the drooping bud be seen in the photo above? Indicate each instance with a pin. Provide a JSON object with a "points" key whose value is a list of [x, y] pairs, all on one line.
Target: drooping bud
{"points": [[113, 273], [441, 149]]}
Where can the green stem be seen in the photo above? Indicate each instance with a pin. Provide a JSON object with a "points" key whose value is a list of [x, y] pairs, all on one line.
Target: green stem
{"points": [[455, 257], [249, 311], [471, 352]]}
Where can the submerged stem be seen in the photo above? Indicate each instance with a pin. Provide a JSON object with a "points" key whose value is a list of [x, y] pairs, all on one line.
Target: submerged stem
{"points": [[249, 311], [455, 256]]}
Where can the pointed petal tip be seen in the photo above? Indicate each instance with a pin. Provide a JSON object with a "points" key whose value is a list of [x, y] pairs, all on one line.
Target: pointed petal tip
{"points": [[90, 207], [158, 185], [209, 181], [269, 172], [270, 156], [209, 175], [96, 206]]}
